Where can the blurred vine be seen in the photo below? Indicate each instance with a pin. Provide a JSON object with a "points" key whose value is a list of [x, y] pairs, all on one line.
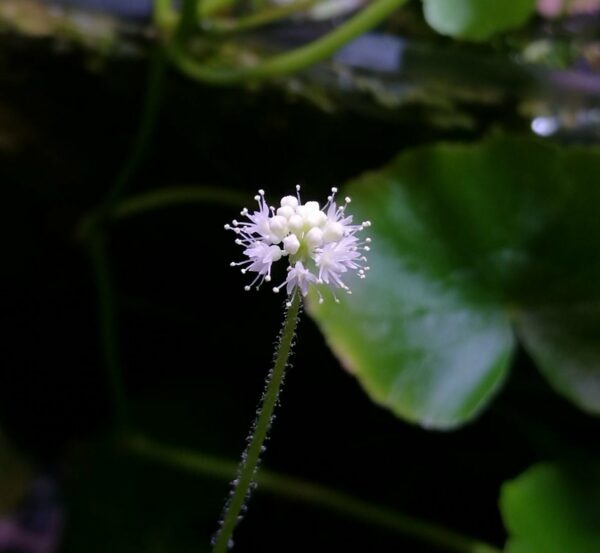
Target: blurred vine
{"points": [[276, 66], [310, 493], [92, 230]]}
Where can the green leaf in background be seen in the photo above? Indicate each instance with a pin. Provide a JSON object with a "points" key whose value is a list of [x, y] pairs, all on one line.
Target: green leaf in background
{"points": [[551, 509], [562, 332], [476, 19], [565, 342], [467, 241]]}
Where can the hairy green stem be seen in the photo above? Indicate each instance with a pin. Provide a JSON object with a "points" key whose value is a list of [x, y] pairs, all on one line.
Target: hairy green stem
{"points": [[288, 62], [310, 493], [249, 464]]}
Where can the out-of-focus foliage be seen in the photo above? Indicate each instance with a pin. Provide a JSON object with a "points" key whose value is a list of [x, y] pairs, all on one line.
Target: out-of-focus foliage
{"points": [[553, 509], [467, 241], [476, 19], [15, 475], [119, 503]]}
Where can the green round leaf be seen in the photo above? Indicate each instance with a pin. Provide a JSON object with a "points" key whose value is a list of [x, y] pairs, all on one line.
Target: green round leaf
{"points": [[426, 333], [468, 239], [418, 347], [551, 509], [476, 19], [561, 329], [565, 342]]}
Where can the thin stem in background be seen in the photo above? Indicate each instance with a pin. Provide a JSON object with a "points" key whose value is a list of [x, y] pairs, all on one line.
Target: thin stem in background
{"points": [[173, 196], [310, 493], [251, 456], [108, 327], [188, 21], [93, 231], [145, 133], [166, 17], [258, 19], [287, 62]]}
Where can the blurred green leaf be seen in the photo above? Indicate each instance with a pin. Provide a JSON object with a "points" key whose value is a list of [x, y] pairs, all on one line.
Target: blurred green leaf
{"points": [[476, 19], [466, 240], [552, 509], [565, 342], [562, 331]]}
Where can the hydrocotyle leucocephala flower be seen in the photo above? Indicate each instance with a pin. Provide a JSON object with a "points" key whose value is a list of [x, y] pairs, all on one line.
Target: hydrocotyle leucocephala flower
{"points": [[321, 247], [320, 243]]}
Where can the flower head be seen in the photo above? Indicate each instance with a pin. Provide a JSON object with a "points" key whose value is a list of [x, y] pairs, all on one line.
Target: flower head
{"points": [[320, 244]]}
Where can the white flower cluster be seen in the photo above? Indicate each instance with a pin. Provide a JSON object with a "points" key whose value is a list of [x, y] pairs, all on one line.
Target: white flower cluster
{"points": [[319, 243]]}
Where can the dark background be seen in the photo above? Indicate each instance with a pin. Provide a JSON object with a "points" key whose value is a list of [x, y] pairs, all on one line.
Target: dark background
{"points": [[194, 346]]}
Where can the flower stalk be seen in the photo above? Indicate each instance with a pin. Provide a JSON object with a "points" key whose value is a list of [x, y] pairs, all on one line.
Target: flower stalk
{"points": [[247, 471]]}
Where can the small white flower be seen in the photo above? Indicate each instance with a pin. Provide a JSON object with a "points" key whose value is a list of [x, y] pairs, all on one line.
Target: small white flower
{"points": [[260, 258], [336, 258], [299, 276], [320, 243]]}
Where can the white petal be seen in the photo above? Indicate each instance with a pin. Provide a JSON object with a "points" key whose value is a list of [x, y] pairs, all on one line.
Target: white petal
{"points": [[291, 244], [290, 201], [314, 237]]}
